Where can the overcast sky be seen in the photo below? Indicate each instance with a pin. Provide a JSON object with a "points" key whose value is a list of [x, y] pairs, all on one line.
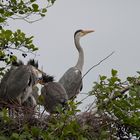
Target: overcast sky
{"points": [[117, 26]]}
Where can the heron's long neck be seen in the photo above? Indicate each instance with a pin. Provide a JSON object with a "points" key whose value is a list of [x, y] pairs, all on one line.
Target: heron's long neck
{"points": [[80, 61]]}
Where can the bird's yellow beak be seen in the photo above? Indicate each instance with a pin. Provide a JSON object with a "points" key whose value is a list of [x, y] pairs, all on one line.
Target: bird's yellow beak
{"points": [[85, 32]]}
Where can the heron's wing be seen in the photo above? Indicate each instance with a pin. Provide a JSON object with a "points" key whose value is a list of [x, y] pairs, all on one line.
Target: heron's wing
{"points": [[54, 94], [18, 82], [3, 84], [55, 91], [72, 81]]}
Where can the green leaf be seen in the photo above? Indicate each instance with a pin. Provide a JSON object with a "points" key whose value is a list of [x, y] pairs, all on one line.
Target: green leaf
{"points": [[14, 136], [1, 11], [35, 49], [43, 15], [52, 1], [102, 78], [44, 10], [21, 12], [3, 138], [13, 58], [32, 0], [114, 72], [2, 19], [14, 1], [8, 32], [35, 131], [8, 14], [35, 7]]}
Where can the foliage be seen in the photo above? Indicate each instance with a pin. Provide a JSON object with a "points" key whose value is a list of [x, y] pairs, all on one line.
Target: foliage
{"points": [[10, 42], [14, 41], [117, 114], [118, 106], [63, 125], [22, 9]]}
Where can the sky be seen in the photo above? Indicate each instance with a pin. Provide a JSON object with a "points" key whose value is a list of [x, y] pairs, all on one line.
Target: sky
{"points": [[117, 28]]}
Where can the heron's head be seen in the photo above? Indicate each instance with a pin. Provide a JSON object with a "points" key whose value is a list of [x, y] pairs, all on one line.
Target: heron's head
{"points": [[46, 78], [33, 63], [81, 33]]}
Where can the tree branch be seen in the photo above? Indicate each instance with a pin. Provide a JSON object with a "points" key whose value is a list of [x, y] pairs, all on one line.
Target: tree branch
{"points": [[98, 64]]}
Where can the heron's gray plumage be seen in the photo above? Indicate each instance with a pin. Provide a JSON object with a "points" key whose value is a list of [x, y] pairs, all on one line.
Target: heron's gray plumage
{"points": [[72, 78], [17, 84], [53, 94], [5, 79], [72, 82], [35, 92], [31, 101]]}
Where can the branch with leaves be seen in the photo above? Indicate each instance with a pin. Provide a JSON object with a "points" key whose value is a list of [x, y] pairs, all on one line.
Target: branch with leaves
{"points": [[11, 42], [23, 9], [119, 101]]}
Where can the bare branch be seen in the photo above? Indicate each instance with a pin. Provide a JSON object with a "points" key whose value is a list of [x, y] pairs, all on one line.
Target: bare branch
{"points": [[89, 71], [98, 64], [28, 21]]}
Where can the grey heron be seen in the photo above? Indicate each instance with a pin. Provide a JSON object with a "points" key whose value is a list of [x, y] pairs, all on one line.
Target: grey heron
{"points": [[11, 71], [72, 78], [30, 104], [54, 95], [17, 84]]}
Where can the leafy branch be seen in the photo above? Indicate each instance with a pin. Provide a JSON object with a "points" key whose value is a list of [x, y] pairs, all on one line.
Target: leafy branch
{"points": [[20, 9]]}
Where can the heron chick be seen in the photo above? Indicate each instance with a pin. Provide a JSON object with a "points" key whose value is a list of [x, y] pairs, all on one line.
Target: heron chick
{"points": [[54, 95]]}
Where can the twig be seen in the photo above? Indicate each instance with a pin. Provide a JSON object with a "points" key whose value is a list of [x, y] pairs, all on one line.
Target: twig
{"points": [[84, 98], [91, 106], [26, 20], [92, 68], [98, 64]]}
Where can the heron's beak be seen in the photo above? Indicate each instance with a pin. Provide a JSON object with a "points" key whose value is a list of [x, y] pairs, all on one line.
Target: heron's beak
{"points": [[40, 81], [85, 32]]}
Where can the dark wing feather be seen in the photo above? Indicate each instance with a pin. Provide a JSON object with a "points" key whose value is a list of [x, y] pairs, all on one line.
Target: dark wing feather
{"points": [[54, 94]]}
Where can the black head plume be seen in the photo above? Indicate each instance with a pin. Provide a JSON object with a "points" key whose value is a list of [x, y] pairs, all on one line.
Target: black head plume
{"points": [[47, 78], [33, 63], [78, 31]]}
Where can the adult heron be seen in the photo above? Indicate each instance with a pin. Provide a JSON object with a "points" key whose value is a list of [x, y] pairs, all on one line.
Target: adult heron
{"points": [[54, 94], [72, 78], [11, 71], [18, 83]]}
